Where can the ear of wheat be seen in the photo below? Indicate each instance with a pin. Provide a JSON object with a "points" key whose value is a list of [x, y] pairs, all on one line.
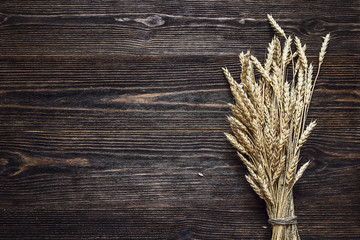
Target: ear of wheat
{"points": [[268, 123]]}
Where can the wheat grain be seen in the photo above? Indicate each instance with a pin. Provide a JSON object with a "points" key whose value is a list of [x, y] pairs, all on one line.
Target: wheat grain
{"points": [[261, 69], [254, 186], [263, 182], [244, 61], [237, 125], [301, 51], [286, 51], [276, 26], [243, 115], [323, 48], [270, 56], [245, 141], [305, 135], [308, 86], [279, 169], [235, 143], [301, 171], [247, 163], [291, 170], [278, 54]]}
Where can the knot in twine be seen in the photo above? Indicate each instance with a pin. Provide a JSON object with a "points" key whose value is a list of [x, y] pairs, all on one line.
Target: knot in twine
{"points": [[283, 221]]}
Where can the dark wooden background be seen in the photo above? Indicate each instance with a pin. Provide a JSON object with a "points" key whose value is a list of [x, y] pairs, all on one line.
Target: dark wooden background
{"points": [[110, 110]]}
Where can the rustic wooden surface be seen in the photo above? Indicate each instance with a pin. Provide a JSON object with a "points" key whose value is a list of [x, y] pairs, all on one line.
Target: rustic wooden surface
{"points": [[109, 110]]}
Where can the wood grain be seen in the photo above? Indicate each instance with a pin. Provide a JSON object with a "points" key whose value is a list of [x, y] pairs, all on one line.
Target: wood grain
{"points": [[112, 116]]}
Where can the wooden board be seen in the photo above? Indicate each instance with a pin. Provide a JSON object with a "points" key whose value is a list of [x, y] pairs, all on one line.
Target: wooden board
{"points": [[112, 116]]}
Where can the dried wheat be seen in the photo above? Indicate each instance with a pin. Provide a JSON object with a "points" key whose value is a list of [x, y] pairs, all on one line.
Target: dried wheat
{"points": [[268, 123]]}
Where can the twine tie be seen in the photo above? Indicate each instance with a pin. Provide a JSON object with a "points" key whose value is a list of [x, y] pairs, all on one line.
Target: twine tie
{"points": [[283, 221]]}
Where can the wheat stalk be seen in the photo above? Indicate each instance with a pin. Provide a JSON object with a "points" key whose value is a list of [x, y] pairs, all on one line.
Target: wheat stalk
{"points": [[268, 124]]}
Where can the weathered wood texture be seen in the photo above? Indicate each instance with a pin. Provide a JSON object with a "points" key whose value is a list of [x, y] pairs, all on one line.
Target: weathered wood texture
{"points": [[109, 110]]}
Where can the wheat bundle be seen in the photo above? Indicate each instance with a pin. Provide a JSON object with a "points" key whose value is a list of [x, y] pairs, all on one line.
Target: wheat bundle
{"points": [[268, 124]]}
